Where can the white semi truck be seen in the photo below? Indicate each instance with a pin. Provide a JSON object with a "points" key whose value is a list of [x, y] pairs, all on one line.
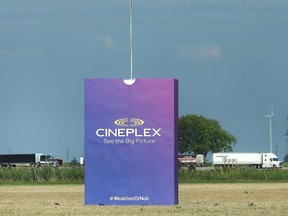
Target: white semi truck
{"points": [[257, 160], [37, 159]]}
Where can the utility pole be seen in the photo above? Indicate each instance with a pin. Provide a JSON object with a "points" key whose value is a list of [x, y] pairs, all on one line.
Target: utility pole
{"points": [[270, 127], [67, 155]]}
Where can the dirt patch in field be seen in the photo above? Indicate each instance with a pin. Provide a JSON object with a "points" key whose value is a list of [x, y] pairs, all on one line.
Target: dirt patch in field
{"points": [[194, 199]]}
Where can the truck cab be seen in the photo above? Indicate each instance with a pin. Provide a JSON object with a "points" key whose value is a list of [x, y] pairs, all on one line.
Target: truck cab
{"points": [[270, 160], [190, 161], [48, 160]]}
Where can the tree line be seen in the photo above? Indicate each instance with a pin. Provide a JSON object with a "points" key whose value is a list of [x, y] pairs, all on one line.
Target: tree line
{"points": [[201, 135]]}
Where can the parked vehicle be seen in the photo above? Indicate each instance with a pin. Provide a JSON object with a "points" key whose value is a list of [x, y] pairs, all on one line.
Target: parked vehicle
{"points": [[257, 160], [190, 161], [37, 159]]}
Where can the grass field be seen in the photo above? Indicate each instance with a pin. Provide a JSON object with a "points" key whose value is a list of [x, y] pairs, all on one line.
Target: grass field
{"points": [[72, 175], [194, 199]]}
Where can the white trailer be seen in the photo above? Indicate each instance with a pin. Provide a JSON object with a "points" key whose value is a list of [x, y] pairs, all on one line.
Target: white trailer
{"points": [[257, 160]]}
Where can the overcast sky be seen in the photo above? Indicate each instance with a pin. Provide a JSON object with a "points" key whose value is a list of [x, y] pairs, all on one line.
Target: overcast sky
{"points": [[230, 58]]}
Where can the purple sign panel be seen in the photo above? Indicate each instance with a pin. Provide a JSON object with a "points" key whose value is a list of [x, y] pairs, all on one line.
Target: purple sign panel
{"points": [[131, 142]]}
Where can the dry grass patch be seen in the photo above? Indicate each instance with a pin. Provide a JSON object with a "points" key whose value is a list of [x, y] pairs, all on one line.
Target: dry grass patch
{"points": [[194, 199]]}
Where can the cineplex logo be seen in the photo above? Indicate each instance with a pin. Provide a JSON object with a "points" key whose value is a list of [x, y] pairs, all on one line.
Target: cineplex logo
{"points": [[129, 122], [128, 131]]}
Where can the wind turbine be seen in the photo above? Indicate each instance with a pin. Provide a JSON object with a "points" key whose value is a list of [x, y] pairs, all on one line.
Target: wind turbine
{"points": [[270, 127]]}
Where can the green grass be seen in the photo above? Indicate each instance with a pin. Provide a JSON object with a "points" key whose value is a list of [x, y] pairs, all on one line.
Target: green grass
{"points": [[233, 175], [75, 175], [42, 175]]}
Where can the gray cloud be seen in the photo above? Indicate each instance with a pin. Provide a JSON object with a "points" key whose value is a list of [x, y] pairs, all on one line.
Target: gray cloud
{"points": [[108, 42]]}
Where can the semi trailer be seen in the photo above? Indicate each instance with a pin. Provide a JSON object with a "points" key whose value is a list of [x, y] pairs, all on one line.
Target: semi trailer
{"points": [[37, 159], [257, 160]]}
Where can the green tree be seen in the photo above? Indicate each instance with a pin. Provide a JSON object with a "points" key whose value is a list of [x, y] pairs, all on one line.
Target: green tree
{"points": [[286, 158], [74, 161], [202, 135]]}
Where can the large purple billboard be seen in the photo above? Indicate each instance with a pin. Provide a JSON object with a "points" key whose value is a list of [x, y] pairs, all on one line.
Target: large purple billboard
{"points": [[131, 142]]}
